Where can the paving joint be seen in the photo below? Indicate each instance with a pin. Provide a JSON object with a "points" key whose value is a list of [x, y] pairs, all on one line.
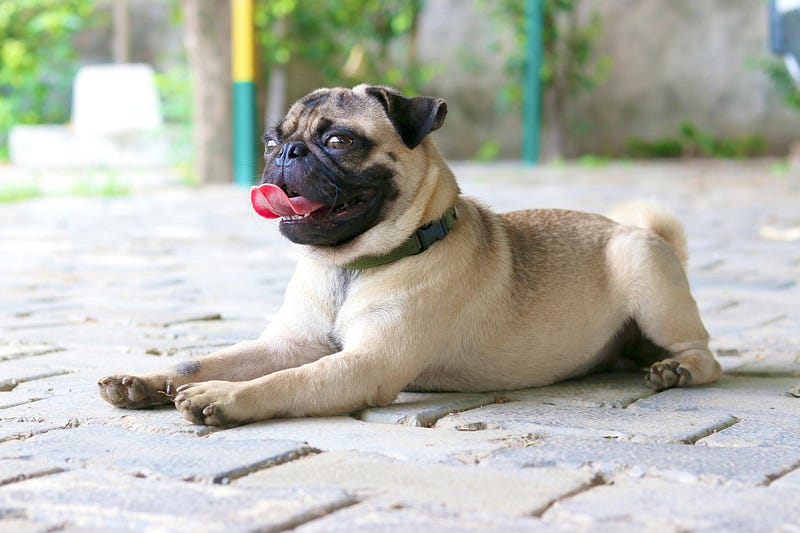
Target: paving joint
{"points": [[227, 477], [716, 428], [771, 478], [597, 481]]}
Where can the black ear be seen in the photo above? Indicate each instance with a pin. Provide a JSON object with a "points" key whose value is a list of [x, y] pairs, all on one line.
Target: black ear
{"points": [[413, 118]]}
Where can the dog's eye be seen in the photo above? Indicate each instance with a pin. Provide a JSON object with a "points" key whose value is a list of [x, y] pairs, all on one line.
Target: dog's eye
{"points": [[270, 146], [338, 142]]}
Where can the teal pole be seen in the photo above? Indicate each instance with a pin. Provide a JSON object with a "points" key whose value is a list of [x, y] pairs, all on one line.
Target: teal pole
{"points": [[244, 133], [532, 94]]}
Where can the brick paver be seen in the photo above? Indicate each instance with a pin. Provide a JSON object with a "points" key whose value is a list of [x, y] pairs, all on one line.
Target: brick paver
{"points": [[93, 285]]}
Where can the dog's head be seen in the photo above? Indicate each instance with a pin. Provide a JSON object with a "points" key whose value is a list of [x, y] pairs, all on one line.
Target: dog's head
{"points": [[343, 161]]}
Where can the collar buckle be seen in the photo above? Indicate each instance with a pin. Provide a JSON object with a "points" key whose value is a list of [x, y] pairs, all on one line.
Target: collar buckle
{"points": [[430, 233], [436, 230]]}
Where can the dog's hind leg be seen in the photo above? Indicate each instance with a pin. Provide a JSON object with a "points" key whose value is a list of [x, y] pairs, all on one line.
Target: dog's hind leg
{"points": [[652, 280]]}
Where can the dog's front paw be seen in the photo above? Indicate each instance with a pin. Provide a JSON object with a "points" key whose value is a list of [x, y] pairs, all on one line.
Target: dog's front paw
{"points": [[667, 374], [131, 392], [212, 403]]}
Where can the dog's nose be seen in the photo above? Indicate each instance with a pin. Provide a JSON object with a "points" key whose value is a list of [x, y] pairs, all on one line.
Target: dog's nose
{"points": [[291, 151]]}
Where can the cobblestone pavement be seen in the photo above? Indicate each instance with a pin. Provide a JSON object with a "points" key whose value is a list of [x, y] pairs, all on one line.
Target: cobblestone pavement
{"points": [[93, 285]]}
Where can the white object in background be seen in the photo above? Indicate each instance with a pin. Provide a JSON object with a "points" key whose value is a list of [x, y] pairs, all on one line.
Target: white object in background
{"points": [[115, 99], [786, 5]]}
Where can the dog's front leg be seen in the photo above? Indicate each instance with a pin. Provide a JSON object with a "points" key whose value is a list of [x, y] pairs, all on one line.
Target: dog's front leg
{"points": [[240, 362], [335, 384]]}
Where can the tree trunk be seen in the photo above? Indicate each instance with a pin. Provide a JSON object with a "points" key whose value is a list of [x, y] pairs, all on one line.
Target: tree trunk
{"points": [[208, 46]]}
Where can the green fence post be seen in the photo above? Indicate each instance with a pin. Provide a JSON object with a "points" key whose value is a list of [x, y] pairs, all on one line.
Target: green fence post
{"points": [[532, 97]]}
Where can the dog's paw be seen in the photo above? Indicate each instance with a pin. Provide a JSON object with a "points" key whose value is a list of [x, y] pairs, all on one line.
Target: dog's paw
{"points": [[131, 392], [212, 403], [667, 374]]}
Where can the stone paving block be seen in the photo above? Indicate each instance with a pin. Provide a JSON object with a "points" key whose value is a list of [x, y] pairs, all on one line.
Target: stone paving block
{"points": [[600, 390], [653, 504], [769, 361], [33, 386], [758, 430], [736, 395], [17, 428], [423, 409], [396, 441], [14, 525], [751, 313], [756, 465], [177, 456], [17, 350], [13, 470], [391, 517], [107, 501], [464, 487], [588, 422]]}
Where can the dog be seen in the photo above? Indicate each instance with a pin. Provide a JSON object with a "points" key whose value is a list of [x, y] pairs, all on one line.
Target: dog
{"points": [[405, 284]]}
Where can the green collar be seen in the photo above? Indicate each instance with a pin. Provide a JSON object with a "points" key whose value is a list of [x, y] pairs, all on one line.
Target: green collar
{"points": [[419, 241]]}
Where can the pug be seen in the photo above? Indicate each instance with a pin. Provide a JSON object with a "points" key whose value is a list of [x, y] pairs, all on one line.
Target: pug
{"points": [[405, 284]]}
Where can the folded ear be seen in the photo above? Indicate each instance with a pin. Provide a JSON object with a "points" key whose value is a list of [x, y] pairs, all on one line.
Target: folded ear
{"points": [[413, 118]]}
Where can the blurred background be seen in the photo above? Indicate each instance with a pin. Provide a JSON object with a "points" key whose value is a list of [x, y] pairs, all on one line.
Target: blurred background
{"points": [[622, 79]]}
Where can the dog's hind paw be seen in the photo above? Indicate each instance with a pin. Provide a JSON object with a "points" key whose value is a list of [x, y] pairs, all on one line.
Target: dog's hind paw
{"points": [[131, 392], [667, 374]]}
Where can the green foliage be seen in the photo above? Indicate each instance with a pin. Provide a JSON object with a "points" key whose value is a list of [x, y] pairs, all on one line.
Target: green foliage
{"points": [[782, 81], [697, 142], [347, 40], [175, 89], [661, 148], [691, 141], [37, 60], [569, 64]]}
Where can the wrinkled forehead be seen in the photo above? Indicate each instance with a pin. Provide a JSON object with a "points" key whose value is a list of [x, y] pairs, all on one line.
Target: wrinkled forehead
{"points": [[325, 108]]}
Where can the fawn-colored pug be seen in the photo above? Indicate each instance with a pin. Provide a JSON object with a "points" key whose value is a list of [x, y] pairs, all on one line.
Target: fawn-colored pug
{"points": [[406, 284]]}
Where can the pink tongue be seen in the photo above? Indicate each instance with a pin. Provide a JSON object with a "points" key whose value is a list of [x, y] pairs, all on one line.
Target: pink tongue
{"points": [[270, 201]]}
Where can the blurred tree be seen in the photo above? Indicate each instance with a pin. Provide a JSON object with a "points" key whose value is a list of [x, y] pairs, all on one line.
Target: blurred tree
{"points": [[570, 63], [37, 60], [208, 46], [347, 41]]}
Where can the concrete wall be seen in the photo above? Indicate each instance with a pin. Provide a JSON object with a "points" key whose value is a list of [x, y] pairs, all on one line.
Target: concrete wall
{"points": [[671, 60]]}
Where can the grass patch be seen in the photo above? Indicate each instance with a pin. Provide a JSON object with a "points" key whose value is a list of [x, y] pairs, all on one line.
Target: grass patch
{"points": [[17, 192], [594, 161], [106, 187], [779, 168]]}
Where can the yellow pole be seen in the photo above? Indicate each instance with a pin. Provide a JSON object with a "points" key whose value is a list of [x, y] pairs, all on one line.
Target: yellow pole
{"points": [[244, 94]]}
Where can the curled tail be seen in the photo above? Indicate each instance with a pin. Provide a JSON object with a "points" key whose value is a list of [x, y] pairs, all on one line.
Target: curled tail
{"points": [[651, 216]]}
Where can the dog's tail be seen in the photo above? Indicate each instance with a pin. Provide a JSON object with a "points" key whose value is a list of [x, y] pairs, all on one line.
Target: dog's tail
{"points": [[650, 215]]}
